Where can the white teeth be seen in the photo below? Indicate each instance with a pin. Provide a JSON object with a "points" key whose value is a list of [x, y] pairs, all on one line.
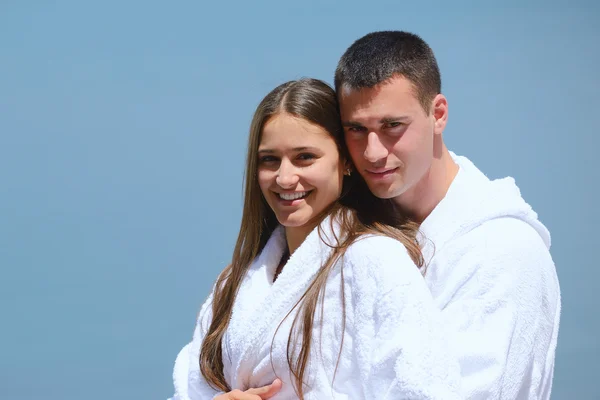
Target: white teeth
{"points": [[292, 196]]}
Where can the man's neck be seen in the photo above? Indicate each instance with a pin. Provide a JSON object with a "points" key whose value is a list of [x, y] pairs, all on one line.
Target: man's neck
{"points": [[420, 200]]}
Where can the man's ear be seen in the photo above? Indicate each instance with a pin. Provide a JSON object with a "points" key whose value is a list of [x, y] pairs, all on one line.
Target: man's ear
{"points": [[439, 109]]}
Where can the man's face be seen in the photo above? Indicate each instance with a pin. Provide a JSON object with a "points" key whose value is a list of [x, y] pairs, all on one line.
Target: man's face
{"points": [[389, 136]]}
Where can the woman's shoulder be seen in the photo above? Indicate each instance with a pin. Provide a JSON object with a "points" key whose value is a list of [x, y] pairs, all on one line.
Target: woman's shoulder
{"points": [[380, 257], [378, 267], [377, 248]]}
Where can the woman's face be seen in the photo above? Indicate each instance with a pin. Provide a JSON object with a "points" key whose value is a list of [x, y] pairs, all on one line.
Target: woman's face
{"points": [[299, 169]]}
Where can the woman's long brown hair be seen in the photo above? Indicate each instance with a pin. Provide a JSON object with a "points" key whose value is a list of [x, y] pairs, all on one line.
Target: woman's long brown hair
{"points": [[357, 211]]}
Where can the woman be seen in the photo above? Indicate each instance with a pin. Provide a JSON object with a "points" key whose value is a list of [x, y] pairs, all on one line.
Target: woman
{"points": [[265, 319]]}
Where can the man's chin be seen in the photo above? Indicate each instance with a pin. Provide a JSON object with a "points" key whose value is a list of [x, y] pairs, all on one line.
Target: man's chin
{"points": [[384, 196], [383, 192]]}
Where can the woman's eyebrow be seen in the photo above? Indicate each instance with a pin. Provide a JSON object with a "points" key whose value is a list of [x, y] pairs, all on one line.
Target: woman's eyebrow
{"points": [[300, 148]]}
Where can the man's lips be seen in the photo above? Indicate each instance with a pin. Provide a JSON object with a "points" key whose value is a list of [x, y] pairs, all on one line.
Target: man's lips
{"points": [[381, 171]]}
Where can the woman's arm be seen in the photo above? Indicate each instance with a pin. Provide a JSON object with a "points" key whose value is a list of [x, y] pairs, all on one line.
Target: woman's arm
{"points": [[187, 379]]}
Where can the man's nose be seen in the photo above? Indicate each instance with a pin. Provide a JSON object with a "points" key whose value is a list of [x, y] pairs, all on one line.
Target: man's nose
{"points": [[375, 150]]}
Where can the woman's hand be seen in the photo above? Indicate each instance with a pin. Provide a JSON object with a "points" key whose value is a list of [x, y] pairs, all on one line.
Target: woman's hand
{"points": [[261, 393]]}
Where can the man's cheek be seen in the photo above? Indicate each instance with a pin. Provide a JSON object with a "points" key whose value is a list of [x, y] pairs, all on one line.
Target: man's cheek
{"points": [[356, 151]]}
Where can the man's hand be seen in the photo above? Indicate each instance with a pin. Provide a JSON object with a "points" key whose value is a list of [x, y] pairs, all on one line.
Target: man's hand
{"points": [[261, 393]]}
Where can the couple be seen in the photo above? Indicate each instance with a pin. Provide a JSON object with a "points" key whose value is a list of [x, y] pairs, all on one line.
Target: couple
{"points": [[372, 263]]}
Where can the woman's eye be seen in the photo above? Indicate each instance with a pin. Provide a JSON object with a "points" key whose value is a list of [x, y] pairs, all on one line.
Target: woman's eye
{"points": [[306, 157], [267, 159]]}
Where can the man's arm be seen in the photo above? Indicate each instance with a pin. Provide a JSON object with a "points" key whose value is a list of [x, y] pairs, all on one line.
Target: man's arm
{"points": [[503, 316]]}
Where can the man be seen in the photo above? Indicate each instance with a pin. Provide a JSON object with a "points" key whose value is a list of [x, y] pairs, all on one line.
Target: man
{"points": [[487, 256]]}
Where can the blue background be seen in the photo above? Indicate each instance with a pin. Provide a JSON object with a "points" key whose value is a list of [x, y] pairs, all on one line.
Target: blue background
{"points": [[122, 141]]}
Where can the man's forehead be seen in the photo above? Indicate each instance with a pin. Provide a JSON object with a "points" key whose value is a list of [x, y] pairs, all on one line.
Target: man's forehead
{"points": [[397, 85], [382, 101], [350, 94], [355, 102]]}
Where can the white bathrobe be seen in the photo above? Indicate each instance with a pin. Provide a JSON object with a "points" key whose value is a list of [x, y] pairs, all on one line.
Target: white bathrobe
{"points": [[393, 344], [492, 277]]}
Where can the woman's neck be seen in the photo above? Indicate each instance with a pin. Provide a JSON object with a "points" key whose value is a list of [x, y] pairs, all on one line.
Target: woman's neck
{"points": [[296, 235]]}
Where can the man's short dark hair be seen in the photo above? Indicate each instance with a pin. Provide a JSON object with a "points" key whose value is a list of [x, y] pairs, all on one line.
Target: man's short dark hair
{"points": [[379, 56]]}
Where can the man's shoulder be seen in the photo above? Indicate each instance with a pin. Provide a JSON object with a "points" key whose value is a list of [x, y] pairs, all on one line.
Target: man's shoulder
{"points": [[507, 236], [502, 259], [505, 245]]}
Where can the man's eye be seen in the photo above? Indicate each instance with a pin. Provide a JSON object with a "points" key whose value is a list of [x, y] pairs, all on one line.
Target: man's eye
{"points": [[356, 129], [394, 124]]}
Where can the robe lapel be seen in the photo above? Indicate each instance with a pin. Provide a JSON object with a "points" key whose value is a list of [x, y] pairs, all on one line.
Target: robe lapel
{"points": [[255, 287], [251, 329]]}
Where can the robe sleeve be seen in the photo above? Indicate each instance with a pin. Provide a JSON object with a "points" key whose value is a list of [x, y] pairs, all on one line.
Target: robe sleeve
{"points": [[504, 315], [187, 379], [402, 351]]}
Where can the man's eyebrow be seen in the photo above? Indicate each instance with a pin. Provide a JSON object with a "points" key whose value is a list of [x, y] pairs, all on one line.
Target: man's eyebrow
{"points": [[351, 123], [387, 120], [384, 120]]}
